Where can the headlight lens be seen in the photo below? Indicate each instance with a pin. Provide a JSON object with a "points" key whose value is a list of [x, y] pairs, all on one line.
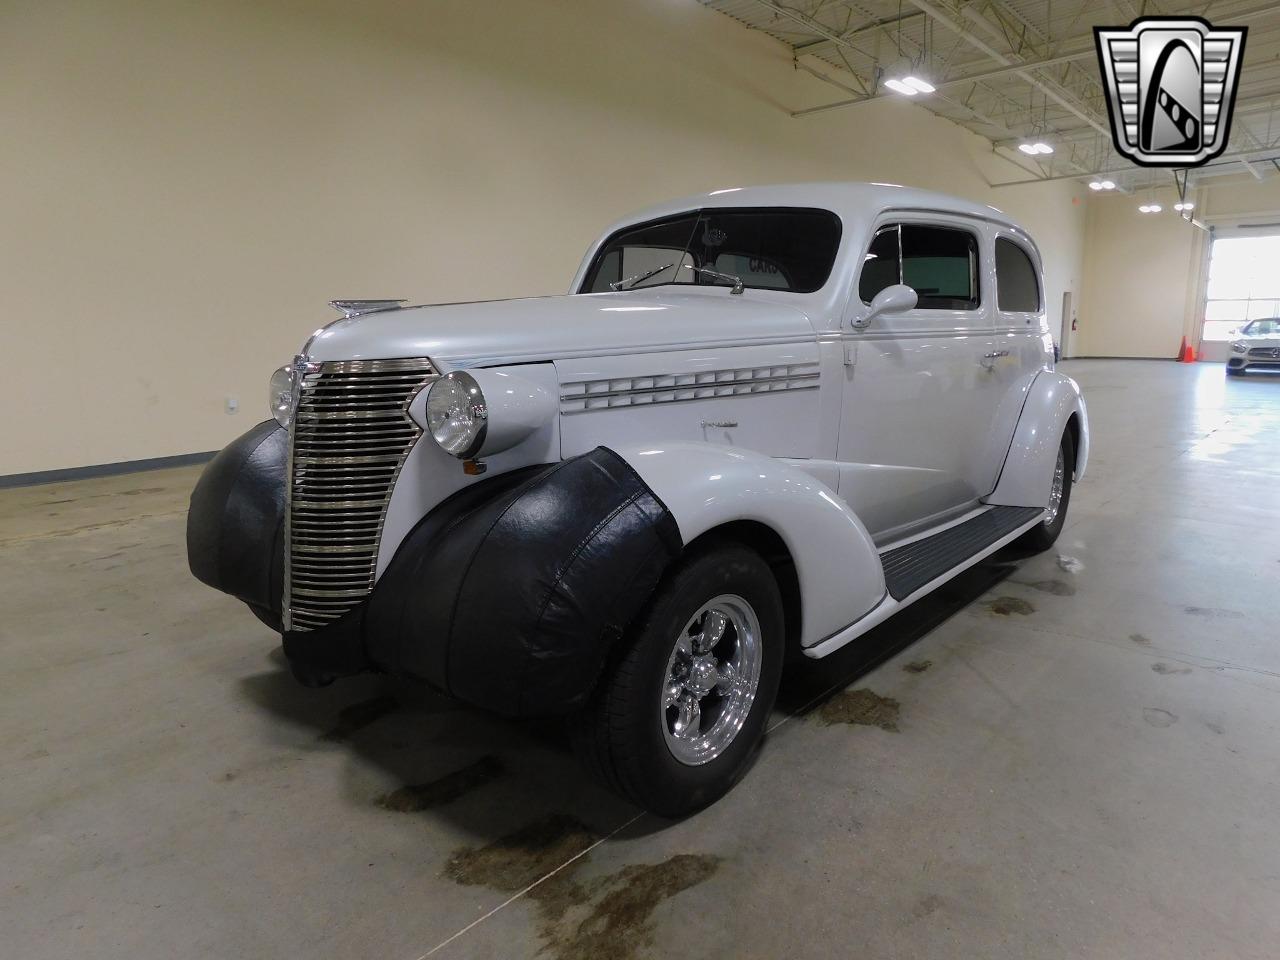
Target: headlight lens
{"points": [[280, 395], [457, 415], [1239, 347]]}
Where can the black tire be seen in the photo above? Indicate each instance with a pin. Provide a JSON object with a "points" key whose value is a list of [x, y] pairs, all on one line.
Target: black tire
{"points": [[622, 733], [1045, 534]]}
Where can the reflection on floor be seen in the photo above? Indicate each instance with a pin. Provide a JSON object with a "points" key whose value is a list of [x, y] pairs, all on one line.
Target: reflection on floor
{"points": [[1068, 755]]}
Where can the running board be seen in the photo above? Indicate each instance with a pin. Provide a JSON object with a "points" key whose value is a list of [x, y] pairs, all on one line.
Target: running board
{"points": [[914, 569], [909, 568]]}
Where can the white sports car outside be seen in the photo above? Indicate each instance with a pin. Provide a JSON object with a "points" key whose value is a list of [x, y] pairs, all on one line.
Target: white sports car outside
{"points": [[1255, 346]]}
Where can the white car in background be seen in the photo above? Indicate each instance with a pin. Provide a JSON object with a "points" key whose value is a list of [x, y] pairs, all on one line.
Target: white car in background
{"points": [[1255, 346], [762, 421]]}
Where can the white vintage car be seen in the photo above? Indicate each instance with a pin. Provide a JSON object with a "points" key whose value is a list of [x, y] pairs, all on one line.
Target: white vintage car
{"points": [[1255, 346], [762, 421]]}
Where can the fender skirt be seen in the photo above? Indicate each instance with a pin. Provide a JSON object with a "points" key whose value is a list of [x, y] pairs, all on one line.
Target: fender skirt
{"points": [[235, 527], [510, 594]]}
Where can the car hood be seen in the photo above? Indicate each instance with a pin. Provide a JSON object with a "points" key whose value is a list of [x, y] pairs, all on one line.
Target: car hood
{"points": [[552, 328], [1269, 341]]}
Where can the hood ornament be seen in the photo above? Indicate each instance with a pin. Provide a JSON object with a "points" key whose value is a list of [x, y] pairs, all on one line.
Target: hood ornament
{"points": [[354, 308]]}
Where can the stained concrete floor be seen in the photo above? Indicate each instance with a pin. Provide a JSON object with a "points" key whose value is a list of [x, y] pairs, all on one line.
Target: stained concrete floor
{"points": [[1073, 755]]}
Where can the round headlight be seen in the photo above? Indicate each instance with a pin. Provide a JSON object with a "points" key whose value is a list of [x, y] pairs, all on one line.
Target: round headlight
{"points": [[1240, 347], [456, 414], [280, 395]]}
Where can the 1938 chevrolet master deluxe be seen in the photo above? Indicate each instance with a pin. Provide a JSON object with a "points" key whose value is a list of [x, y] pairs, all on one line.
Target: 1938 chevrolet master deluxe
{"points": [[762, 421]]}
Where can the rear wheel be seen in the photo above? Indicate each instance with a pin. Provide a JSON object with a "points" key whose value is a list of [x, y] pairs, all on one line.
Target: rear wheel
{"points": [[679, 715], [1045, 533]]}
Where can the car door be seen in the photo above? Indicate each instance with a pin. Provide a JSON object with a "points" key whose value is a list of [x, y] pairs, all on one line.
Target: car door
{"points": [[914, 416], [1020, 347]]}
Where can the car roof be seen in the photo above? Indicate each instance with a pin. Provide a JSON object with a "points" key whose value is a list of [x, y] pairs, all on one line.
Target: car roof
{"points": [[850, 200]]}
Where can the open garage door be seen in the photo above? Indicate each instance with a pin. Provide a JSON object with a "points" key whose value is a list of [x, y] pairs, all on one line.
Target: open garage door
{"points": [[1244, 285]]}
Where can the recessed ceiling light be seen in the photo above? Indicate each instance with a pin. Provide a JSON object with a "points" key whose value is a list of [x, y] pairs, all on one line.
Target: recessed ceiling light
{"points": [[897, 86], [924, 86]]}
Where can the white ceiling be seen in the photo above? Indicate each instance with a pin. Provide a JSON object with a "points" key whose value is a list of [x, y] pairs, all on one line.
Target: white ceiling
{"points": [[1013, 70]]}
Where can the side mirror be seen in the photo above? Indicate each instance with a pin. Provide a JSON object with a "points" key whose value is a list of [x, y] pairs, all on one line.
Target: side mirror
{"points": [[898, 298]]}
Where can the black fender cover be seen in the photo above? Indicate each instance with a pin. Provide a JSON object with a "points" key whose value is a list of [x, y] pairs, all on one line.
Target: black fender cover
{"points": [[512, 600], [235, 526]]}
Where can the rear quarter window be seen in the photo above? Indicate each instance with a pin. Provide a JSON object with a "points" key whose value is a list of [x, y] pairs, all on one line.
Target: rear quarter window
{"points": [[1017, 285]]}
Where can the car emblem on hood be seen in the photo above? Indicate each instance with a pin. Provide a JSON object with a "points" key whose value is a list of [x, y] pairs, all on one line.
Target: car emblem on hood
{"points": [[1171, 84]]}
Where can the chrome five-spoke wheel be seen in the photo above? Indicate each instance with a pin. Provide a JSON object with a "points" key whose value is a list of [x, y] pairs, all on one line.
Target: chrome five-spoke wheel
{"points": [[711, 679], [682, 709]]}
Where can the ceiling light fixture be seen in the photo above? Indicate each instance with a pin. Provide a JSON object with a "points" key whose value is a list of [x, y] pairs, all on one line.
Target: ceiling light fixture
{"points": [[1031, 149], [1180, 207], [1102, 185], [923, 86], [898, 86], [1150, 208]]}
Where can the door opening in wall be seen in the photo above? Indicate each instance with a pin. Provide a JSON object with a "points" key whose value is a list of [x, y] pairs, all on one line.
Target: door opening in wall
{"points": [[1244, 285]]}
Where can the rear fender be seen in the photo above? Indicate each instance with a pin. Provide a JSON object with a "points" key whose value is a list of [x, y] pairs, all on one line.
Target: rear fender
{"points": [[707, 486], [1028, 469]]}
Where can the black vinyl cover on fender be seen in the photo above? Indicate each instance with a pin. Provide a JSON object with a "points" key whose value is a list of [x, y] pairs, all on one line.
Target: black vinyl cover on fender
{"points": [[510, 594], [235, 526]]}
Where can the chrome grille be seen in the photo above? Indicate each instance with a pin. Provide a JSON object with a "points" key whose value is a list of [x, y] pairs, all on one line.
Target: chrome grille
{"points": [[1265, 353], [350, 435]]}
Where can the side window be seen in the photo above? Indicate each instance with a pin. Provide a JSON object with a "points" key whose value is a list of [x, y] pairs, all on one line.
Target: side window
{"points": [[1017, 287], [881, 267], [941, 265]]}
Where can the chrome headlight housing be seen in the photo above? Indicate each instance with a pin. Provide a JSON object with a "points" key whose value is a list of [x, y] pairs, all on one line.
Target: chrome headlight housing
{"points": [[457, 415], [280, 395], [1239, 346]]}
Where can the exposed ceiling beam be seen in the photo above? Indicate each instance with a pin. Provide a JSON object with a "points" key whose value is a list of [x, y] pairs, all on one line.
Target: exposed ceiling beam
{"points": [[956, 81], [1261, 156], [1048, 89]]}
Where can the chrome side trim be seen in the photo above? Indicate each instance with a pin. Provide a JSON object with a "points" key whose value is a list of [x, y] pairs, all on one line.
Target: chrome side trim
{"points": [[584, 395]]}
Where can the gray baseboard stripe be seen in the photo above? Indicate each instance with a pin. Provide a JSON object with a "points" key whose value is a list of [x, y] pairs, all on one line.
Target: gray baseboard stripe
{"points": [[103, 470]]}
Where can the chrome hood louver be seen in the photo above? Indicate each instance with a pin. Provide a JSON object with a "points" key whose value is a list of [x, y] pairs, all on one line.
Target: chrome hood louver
{"points": [[350, 435]]}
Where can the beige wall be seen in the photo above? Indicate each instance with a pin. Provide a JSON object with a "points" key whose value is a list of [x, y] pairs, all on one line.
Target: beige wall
{"points": [[184, 184], [1145, 273], [1141, 271]]}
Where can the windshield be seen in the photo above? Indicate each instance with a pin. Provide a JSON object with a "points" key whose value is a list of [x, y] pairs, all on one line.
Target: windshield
{"points": [[1262, 328], [767, 248]]}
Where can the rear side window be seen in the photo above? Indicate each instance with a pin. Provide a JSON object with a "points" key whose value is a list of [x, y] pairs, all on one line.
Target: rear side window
{"points": [[939, 263], [1017, 287]]}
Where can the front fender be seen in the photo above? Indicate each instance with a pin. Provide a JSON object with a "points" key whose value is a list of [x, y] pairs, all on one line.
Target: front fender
{"points": [[1028, 468], [511, 593], [706, 486]]}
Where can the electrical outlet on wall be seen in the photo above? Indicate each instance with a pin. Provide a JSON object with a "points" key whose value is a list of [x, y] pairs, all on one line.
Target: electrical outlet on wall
{"points": [[233, 403]]}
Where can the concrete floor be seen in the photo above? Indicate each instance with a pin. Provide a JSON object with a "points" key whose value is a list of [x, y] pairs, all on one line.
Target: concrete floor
{"points": [[1068, 756]]}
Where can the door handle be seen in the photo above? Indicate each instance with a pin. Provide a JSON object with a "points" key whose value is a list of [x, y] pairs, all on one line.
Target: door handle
{"points": [[996, 355]]}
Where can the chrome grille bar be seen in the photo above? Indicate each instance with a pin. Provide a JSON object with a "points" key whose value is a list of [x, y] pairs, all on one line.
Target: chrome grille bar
{"points": [[351, 433]]}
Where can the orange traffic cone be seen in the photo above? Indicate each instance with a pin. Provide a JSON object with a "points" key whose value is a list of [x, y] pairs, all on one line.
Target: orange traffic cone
{"points": [[1185, 353]]}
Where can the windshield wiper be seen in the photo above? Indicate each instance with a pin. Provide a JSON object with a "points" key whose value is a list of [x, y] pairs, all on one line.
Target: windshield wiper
{"points": [[628, 282], [736, 281]]}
